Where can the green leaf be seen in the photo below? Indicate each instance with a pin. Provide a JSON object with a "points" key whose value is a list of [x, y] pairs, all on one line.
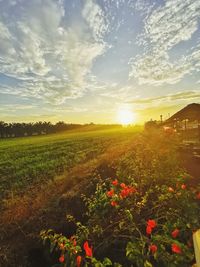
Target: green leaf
{"points": [[121, 225], [147, 264], [188, 225], [129, 215], [98, 264], [107, 262], [117, 265]]}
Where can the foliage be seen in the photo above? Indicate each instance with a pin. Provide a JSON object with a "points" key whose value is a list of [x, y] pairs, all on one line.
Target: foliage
{"points": [[145, 216], [70, 252]]}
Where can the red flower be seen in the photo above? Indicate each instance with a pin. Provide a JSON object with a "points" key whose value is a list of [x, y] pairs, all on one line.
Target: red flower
{"points": [[110, 193], [183, 186], [113, 203], [78, 261], [176, 249], [198, 195], [175, 233], [132, 189], [123, 185], [126, 191], [61, 246], [151, 223], [61, 259], [115, 182], [88, 250], [170, 189], [148, 230], [153, 248]]}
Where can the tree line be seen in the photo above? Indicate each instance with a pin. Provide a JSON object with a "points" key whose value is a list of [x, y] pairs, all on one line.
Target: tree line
{"points": [[37, 128]]}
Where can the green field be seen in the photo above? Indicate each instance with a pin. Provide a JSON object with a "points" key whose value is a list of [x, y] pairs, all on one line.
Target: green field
{"points": [[28, 161], [138, 179]]}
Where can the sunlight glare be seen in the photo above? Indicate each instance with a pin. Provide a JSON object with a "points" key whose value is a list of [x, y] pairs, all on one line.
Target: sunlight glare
{"points": [[126, 116]]}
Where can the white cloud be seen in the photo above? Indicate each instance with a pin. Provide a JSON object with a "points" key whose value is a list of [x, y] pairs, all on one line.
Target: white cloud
{"points": [[144, 6], [95, 18], [165, 28], [179, 96], [15, 107], [156, 69], [52, 60]]}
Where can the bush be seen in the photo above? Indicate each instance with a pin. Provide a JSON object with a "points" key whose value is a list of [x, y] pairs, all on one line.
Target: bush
{"points": [[145, 216]]}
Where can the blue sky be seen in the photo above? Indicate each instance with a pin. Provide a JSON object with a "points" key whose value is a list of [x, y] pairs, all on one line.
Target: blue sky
{"points": [[84, 60]]}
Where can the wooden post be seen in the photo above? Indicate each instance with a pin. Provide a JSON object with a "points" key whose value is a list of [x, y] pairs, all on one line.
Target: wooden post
{"points": [[196, 240]]}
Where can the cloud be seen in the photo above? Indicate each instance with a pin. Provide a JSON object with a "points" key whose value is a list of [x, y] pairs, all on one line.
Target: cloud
{"points": [[68, 109], [180, 96], [165, 28], [144, 6], [29, 118], [115, 91], [148, 113], [95, 18], [15, 107], [51, 59]]}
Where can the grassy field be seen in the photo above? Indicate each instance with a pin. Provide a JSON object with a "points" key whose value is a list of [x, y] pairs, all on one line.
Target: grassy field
{"points": [[43, 179], [36, 171], [28, 161]]}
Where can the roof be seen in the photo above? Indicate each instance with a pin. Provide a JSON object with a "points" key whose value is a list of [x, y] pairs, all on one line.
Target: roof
{"points": [[190, 112]]}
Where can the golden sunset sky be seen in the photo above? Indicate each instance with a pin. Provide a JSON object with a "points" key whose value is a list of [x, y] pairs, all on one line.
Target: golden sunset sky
{"points": [[85, 61]]}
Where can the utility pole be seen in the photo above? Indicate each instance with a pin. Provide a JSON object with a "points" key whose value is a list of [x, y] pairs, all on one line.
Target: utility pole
{"points": [[161, 118]]}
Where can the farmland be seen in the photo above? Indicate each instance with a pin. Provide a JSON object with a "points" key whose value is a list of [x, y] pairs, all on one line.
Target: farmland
{"points": [[25, 162], [34, 171], [122, 173]]}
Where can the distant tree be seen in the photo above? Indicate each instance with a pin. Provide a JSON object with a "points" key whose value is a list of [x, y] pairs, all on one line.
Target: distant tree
{"points": [[2, 129], [60, 126], [29, 129], [47, 127]]}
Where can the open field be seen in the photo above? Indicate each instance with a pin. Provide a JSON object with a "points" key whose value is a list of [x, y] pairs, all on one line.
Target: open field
{"points": [[25, 162], [47, 175], [36, 171]]}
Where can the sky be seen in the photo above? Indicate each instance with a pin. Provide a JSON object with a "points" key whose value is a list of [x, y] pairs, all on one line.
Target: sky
{"points": [[83, 61]]}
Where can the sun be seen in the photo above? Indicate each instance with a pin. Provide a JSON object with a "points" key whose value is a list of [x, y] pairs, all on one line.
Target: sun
{"points": [[126, 116]]}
